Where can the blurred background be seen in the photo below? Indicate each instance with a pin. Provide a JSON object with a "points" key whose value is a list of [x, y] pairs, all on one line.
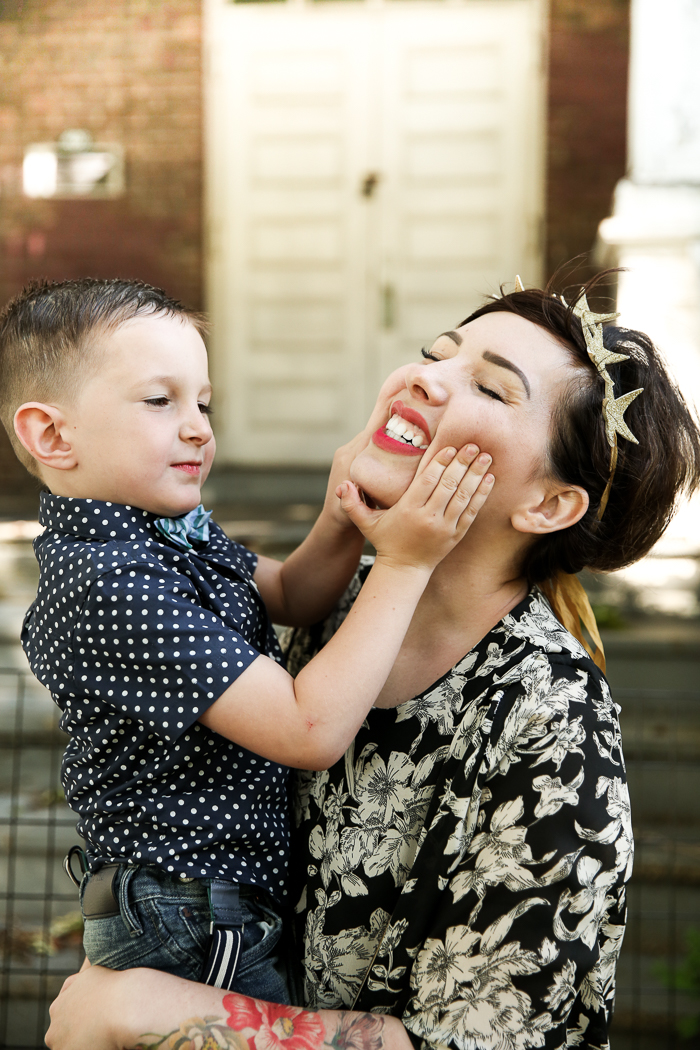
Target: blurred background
{"points": [[335, 182]]}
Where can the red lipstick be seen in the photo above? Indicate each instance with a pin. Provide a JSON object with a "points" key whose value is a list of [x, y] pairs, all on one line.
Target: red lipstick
{"points": [[411, 416], [401, 448]]}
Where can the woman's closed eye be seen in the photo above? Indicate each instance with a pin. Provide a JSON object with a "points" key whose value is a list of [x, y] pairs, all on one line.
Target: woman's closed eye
{"points": [[206, 410], [490, 393], [430, 356]]}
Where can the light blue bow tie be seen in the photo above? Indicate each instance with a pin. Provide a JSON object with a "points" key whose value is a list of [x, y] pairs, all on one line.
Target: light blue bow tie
{"points": [[193, 525]]}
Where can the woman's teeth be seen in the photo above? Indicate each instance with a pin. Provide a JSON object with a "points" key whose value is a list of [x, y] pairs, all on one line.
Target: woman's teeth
{"points": [[401, 430]]}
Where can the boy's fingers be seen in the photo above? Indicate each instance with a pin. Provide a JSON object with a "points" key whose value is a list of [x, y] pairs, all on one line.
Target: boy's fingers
{"points": [[358, 513], [424, 484], [461, 469], [468, 504], [430, 455], [462, 479]]}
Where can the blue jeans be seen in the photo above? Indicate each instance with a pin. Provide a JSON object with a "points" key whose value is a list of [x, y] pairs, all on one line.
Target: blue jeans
{"points": [[164, 923]]}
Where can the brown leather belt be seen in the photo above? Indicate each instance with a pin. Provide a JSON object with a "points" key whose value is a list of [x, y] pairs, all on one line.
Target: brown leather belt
{"points": [[99, 897]]}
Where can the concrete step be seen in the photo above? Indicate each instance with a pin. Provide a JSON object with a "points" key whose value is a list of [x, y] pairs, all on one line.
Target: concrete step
{"points": [[667, 854], [659, 916], [655, 654], [664, 791]]}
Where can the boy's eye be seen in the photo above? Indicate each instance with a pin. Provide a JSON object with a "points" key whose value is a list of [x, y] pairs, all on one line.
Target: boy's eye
{"points": [[158, 402], [206, 410], [428, 355], [490, 393]]}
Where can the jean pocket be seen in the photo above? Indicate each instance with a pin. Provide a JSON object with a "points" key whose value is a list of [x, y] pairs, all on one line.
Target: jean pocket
{"points": [[182, 931], [262, 972], [108, 942]]}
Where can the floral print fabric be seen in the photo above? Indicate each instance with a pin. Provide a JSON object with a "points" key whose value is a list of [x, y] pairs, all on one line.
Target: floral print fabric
{"points": [[464, 865]]}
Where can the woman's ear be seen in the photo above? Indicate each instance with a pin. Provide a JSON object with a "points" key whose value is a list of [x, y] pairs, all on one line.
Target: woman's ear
{"points": [[557, 509], [41, 430]]}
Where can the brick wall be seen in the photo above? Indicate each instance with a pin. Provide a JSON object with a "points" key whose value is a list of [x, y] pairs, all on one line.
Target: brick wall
{"points": [[589, 52], [128, 71]]}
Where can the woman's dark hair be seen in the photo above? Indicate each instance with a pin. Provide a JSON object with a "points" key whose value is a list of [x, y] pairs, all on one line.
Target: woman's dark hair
{"points": [[650, 476]]}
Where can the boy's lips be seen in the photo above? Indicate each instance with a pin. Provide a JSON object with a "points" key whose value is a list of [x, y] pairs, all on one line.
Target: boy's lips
{"points": [[188, 468], [383, 437]]}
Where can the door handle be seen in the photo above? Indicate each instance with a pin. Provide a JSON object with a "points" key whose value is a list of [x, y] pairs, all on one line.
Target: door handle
{"points": [[369, 184]]}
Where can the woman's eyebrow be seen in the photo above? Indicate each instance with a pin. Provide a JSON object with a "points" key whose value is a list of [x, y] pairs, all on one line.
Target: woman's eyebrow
{"points": [[503, 362]]}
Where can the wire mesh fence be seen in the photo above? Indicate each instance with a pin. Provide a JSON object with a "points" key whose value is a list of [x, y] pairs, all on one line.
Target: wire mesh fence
{"points": [[658, 979], [40, 929]]}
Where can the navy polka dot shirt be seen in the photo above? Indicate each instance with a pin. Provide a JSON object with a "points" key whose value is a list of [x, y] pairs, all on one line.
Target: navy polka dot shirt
{"points": [[135, 638]]}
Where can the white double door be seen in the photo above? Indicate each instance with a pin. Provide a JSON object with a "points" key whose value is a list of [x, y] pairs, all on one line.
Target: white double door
{"points": [[374, 167]]}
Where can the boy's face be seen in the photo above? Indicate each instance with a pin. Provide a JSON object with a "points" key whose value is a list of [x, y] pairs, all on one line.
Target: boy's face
{"points": [[139, 426]]}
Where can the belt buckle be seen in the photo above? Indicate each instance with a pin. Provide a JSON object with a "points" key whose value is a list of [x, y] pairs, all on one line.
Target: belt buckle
{"points": [[68, 864]]}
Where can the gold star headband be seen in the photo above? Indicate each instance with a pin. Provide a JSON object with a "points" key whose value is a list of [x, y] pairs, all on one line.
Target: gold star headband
{"points": [[613, 408]]}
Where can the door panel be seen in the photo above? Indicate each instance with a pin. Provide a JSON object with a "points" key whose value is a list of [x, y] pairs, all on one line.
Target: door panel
{"points": [[373, 169]]}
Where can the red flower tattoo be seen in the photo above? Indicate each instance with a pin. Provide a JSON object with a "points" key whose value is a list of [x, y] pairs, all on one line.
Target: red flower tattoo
{"points": [[275, 1027]]}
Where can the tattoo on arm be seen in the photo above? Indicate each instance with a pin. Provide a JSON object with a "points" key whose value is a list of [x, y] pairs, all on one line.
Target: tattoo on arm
{"points": [[255, 1025]]}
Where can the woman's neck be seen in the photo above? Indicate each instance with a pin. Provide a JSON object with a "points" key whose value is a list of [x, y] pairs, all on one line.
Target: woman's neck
{"points": [[468, 594], [478, 582]]}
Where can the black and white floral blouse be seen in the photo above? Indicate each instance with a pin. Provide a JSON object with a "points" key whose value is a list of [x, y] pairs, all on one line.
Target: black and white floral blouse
{"points": [[464, 865]]}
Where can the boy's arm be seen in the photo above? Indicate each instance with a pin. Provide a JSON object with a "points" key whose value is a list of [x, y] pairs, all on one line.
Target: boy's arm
{"points": [[304, 588], [309, 722], [148, 1010]]}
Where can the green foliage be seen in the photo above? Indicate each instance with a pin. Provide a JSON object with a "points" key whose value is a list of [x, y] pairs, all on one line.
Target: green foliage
{"points": [[608, 617]]}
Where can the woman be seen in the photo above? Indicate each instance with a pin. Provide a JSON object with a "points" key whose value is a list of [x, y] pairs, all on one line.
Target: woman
{"points": [[462, 871]]}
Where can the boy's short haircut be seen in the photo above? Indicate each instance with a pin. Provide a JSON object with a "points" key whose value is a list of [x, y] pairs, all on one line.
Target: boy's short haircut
{"points": [[47, 344]]}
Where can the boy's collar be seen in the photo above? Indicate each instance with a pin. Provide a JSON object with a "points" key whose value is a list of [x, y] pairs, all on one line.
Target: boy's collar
{"points": [[93, 519]]}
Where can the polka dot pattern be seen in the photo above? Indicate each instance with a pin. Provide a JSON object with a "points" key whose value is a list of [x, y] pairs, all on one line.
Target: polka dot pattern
{"points": [[135, 638]]}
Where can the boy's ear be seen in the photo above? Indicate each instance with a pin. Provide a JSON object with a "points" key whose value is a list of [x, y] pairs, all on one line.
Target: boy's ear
{"points": [[551, 511], [41, 430]]}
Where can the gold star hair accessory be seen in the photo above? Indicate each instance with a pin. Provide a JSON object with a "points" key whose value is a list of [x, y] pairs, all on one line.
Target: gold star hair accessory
{"points": [[519, 286], [613, 408]]}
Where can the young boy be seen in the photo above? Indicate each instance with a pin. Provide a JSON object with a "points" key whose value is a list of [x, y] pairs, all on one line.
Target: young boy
{"points": [[153, 631]]}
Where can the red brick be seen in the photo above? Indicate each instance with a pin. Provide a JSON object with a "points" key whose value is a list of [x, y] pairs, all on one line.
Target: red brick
{"points": [[589, 56]]}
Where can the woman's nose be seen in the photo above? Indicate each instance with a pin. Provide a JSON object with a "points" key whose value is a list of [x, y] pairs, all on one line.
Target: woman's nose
{"points": [[425, 383]]}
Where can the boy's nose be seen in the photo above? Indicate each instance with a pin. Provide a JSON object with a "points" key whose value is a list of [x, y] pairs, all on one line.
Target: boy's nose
{"points": [[197, 428]]}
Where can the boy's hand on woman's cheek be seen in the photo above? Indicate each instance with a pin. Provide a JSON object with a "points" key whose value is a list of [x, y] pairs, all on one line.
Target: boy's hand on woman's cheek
{"points": [[392, 386]]}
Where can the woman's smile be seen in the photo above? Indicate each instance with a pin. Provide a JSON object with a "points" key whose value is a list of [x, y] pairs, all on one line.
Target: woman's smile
{"points": [[406, 433]]}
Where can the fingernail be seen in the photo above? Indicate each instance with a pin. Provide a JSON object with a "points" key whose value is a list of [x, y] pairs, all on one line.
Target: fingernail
{"points": [[471, 450], [484, 459], [450, 452], [489, 478]]}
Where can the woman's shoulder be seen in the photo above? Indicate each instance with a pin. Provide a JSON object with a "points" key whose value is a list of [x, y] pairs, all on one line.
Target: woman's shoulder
{"points": [[533, 621], [536, 638]]}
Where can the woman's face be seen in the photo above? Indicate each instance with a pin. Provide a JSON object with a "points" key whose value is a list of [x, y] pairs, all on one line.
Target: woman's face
{"points": [[495, 382]]}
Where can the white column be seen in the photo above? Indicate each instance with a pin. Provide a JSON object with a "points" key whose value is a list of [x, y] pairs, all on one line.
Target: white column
{"points": [[655, 228]]}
